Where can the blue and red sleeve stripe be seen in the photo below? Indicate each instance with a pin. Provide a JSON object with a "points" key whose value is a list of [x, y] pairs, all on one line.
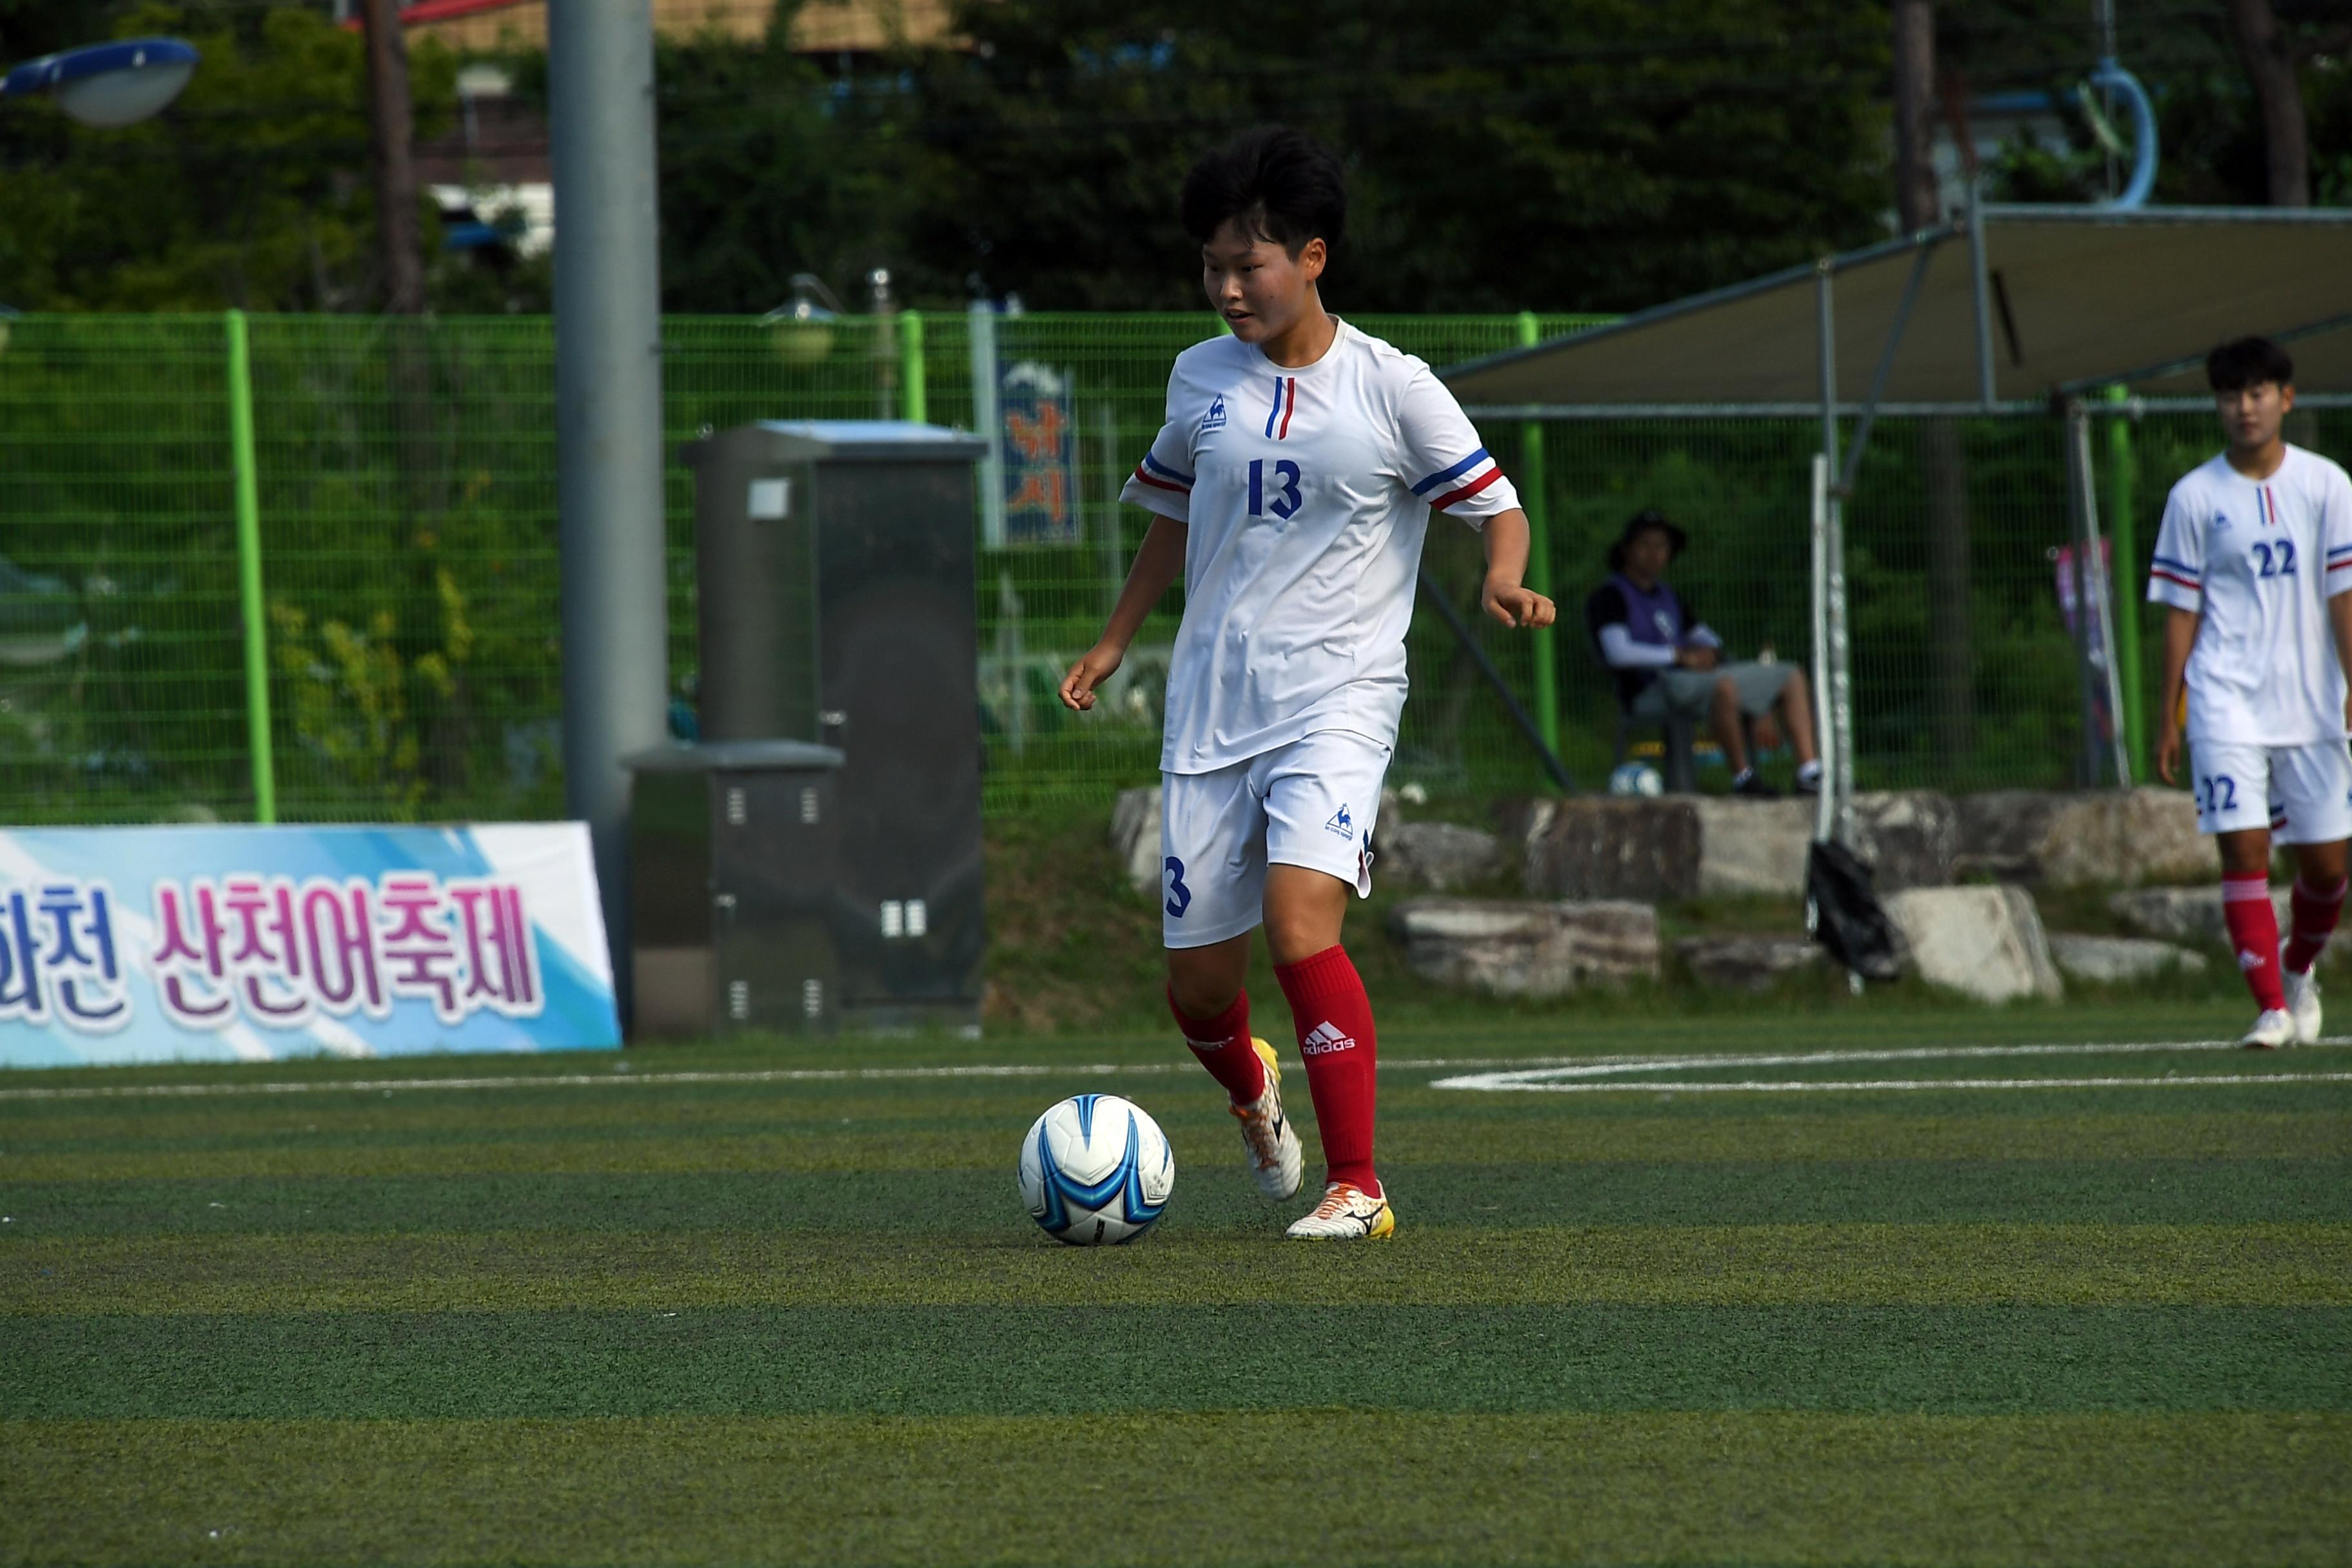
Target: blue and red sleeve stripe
{"points": [[2340, 556], [1468, 477], [1159, 475], [2166, 568]]}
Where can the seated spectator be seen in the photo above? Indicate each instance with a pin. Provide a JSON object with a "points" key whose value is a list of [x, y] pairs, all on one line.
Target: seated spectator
{"points": [[1667, 662]]}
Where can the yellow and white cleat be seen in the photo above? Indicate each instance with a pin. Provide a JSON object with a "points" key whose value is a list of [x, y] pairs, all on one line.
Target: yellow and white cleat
{"points": [[1347, 1212], [1276, 1162], [2274, 1029], [2302, 1005]]}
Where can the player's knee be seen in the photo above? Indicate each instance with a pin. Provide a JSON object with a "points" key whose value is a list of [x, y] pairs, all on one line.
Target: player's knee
{"points": [[1198, 994]]}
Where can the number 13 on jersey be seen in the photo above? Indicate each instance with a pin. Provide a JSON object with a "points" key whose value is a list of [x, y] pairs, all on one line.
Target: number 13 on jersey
{"points": [[1286, 497]]}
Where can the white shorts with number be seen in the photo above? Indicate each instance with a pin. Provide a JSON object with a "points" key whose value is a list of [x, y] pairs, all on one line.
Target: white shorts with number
{"points": [[2302, 794], [1310, 803]]}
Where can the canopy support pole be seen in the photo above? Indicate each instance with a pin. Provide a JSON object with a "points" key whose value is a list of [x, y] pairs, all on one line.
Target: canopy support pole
{"points": [[1886, 368], [1837, 693], [1825, 804], [1511, 703], [1980, 281]]}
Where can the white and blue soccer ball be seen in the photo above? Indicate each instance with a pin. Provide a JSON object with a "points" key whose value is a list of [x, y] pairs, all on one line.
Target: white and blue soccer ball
{"points": [[1096, 1171], [1637, 778]]}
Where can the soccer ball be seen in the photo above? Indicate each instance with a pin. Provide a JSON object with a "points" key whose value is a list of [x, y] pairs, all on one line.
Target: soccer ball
{"points": [[1637, 778], [1095, 1169]]}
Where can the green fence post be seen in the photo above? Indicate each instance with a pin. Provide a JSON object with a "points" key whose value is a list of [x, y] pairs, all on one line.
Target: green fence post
{"points": [[1538, 511], [914, 393], [248, 571], [2123, 536]]}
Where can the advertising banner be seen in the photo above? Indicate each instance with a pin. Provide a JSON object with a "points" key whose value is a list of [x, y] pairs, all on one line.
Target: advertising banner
{"points": [[144, 945]]}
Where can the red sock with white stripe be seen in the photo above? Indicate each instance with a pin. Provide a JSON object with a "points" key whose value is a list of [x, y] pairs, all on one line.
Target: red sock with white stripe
{"points": [[2253, 935], [2314, 913], [1223, 1044], [1334, 1019]]}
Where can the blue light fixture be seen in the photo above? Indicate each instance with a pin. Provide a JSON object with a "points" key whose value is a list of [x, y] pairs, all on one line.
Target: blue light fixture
{"points": [[108, 85]]}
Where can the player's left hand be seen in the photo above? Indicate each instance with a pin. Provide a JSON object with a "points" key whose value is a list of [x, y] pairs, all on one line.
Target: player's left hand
{"points": [[1516, 606]]}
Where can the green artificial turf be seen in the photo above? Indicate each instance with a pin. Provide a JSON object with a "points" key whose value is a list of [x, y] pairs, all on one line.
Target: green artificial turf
{"points": [[776, 1302]]}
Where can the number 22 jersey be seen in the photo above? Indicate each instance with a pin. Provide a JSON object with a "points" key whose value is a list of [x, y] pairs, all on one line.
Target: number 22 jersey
{"points": [[1306, 492], [2259, 559]]}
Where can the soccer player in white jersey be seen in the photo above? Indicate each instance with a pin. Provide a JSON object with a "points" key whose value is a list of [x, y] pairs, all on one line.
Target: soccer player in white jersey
{"points": [[2255, 560], [1293, 484]]}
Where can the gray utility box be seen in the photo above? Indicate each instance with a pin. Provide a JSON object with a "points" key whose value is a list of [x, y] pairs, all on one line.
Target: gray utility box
{"points": [[732, 901], [835, 569]]}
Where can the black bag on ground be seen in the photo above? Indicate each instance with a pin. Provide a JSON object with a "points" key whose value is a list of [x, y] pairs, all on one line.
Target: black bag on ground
{"points": [[1848, 919]]}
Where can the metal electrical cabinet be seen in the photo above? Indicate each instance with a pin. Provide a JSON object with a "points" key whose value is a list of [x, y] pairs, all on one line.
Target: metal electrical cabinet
{"points": [[837, 592]]}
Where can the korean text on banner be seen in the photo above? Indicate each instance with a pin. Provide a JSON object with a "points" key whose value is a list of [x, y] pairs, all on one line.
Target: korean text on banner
{"points": [[141, 944]]}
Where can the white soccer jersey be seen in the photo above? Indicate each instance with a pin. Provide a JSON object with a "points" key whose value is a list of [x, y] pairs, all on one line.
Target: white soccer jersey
{"points": [[2259, 559], [1307, 492]]}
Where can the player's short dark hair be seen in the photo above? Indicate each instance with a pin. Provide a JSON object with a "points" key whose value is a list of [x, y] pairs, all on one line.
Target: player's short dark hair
{"points": [[2248, 362], [1278, 183]]}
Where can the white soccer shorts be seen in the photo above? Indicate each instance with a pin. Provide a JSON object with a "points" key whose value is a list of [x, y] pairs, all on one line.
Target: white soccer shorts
{"points": [[1311, 803], [2302, 794]]}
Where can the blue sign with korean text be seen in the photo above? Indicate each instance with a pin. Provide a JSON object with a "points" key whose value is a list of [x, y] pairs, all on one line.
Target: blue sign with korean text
{"points": [[142, 944]]}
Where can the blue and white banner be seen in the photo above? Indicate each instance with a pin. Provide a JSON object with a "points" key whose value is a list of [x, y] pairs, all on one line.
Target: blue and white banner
{"points": [[143, 945]]}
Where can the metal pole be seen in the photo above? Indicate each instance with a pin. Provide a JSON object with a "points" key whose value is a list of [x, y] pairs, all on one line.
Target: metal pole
{"points": [[1837, 697], [249, 572], [986, 423], [1543, 645], [1825, 804], [914, 387], [2122, 527], [608, 426], [2092, 574], [1980, 280], [1469, 640]]}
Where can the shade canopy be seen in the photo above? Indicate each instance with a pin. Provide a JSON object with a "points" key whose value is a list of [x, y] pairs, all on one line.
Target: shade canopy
{"points": [[2074, 298]]}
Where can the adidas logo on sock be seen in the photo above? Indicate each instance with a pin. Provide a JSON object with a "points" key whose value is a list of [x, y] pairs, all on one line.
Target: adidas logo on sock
{"points": [[2249, 960], [1324, 1039]]}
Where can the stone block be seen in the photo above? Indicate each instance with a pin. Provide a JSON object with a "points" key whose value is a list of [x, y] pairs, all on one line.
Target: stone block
{"points": [[1985, 942], [1748, 962], [1439, 855], [2193, 915], [1688, 846], [2117, 959], [1511, 947], [2083, 838], [1135, 836]]}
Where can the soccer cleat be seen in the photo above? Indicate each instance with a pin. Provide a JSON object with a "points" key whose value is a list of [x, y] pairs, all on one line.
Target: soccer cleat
{"points": [[2302, 1005], [1752, 786], [1276, 1162], [2274, 1029], [1347, 1212]]}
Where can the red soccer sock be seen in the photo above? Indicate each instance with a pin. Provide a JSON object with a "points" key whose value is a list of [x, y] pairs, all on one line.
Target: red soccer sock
{"points": [[2254, 934], [1334, 1019], [2314, 913], [1223, 1044]]}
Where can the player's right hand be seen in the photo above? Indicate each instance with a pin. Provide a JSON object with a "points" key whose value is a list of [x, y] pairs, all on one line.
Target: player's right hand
{"points": [[2168, 752], [1094, 666]]}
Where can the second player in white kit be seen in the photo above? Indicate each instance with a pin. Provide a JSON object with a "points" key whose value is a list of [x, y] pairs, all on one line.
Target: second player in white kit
{"points": [[2253, 559]]}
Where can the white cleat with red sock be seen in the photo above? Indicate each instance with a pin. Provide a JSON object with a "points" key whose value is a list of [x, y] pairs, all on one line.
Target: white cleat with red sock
{"points": [[2302, 1005], [2274, 1029], [1276, 1162], [1347, 1212]]}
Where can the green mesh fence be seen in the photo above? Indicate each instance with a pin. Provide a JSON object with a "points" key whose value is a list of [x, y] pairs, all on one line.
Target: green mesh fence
{"points": [[407, 487]]}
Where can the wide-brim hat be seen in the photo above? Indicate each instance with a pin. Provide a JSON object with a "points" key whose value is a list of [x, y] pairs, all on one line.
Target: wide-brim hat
{"points": [[1642, 523]]}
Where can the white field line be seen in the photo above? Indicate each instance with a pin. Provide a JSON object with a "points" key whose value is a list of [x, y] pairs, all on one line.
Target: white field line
{"points": [[1491, 1082], [1542, 1067]]}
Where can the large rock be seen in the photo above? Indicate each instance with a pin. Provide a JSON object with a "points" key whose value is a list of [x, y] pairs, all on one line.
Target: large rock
{"points": [[2084, 838], [1688, 847], [1985, 941], [1135, 836], [1510, 947], [2119, 960], [1439, 855], [1748, 962], [2192, 915]]}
